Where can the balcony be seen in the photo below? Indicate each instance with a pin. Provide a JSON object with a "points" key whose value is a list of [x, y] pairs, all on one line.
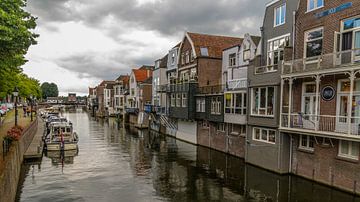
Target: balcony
{"points": [[335, 126], [333, 62], [266, 69], [217, 89], [237, 84]]}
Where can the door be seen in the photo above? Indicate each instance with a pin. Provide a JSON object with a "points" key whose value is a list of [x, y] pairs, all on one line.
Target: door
{"points": [[309, 101]]}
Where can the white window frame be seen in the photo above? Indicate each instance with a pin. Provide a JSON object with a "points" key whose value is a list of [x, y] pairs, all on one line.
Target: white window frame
{"points": [[184, 100], [232, 60], [259, 100], [187, 57], [232, 131], [220, 127], [178, 99], [271, 50], [308, 140], [348, 155], [233, 108], [173, 100], [315, 5], [281, 7], [172, 58], [313, 58], [267, 135], [215, 106]]}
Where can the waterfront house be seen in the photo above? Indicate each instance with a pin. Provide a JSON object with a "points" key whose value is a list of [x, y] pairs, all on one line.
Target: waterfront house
{"points": [[236, 60], [265, 146], [135, 100], [103, 102], [320, 93], [198, 69], [121, 88]]}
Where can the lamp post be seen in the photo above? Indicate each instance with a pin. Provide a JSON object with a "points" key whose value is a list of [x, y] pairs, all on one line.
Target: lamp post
{"points": [[31, 107], [16, 94]]}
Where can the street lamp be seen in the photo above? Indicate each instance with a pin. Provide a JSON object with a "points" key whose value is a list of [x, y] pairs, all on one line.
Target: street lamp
{"points": [[31, 107], [16, 94]]}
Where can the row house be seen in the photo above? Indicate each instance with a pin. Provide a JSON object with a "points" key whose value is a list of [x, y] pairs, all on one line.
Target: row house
{"points": [[265, 146], [140, 94], [103, 100], [108, 98], [159, 99], [121, 88], [236, 60], [320, 89], [198, 77]]}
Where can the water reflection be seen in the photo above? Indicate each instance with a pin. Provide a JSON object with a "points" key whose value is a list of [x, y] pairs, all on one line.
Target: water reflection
{"points": [[118, 164]]}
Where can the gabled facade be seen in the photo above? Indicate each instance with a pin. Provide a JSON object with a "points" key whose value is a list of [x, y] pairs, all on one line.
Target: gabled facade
{"points": [[198, 75], [159, 98], [320, 93], [137, 76], [235, 62], [266, 147], [121, 88]]}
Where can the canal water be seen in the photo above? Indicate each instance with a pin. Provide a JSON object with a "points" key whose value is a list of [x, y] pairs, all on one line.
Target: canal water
{"points": [[129, 165]]}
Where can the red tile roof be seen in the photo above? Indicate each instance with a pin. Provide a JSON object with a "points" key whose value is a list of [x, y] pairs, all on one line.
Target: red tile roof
{"points": [[142, 74], [214, 44]]}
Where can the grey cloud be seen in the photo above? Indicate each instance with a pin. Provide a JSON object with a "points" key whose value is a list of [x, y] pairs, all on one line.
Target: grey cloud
{"points": [[168, 17]]}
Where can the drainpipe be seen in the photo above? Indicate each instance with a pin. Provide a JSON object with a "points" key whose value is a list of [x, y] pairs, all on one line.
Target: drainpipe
{"points": [[291, 150]]}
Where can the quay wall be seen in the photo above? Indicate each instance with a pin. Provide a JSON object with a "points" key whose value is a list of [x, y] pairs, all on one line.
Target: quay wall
{"points": [[9, 176]]}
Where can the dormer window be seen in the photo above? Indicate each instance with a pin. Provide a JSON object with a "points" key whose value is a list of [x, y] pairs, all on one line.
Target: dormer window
{"points": [[232, 60], [204, 51], [314, 4], [246, 51], [279, 15]]}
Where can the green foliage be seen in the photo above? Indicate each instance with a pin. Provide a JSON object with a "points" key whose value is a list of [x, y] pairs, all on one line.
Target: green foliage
{"points": [[15, 33], [16, 36], [49, 90]]}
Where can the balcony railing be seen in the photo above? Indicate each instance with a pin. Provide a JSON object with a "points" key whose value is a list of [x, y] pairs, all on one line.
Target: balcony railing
{"points": [[266, 69], [322, 123], [323, 62], [237, 83], [211, 89]]}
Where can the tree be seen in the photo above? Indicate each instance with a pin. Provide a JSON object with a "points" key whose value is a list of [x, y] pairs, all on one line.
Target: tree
{"points": [[49, 90], [16, 36], [15, 33]]}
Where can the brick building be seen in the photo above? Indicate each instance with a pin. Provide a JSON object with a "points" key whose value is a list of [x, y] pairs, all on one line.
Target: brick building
{"points": [[320, 87]]}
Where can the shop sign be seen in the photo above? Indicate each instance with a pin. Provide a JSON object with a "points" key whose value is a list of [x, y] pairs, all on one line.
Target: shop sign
{"points": [[333, 10], [328, 93]]}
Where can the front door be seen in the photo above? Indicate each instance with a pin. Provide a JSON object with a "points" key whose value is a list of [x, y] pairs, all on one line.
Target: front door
{"points": [[309, 101]]}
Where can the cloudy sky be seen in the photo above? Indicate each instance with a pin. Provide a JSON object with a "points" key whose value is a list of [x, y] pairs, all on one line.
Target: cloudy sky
{"points": [[85, 41]]}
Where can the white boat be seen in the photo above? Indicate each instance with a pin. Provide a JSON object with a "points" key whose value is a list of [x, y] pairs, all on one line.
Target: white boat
{"points": [[61, 137]]}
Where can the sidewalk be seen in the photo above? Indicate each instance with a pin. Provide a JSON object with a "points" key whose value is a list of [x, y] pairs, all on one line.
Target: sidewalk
{"points": [[9, 122]]}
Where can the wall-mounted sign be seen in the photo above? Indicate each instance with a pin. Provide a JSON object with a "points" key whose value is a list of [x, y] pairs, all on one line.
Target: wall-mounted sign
{"points": [[334, 10], [328, 93]]}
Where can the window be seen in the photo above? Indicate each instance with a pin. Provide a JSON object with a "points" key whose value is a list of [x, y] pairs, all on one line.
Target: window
{"points": [[220, 127], [349, 149], [192, 56], [235, 103], [178, 100], [264, 135], [172, 100], [232, 60], [193, 74], [263, 101], [306, 142], [173, 58], [236, 129], [275, 51], [215, 105], [280, 14], [182, 58], [200, 105], [184, 100], [313, 43], [314, 4], [350, 39], [187, 57], [204, 51], [132, 92]]}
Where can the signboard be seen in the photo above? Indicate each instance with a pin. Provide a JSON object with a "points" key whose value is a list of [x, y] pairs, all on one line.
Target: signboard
{"points": [[328, 93], [334, 10]]}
